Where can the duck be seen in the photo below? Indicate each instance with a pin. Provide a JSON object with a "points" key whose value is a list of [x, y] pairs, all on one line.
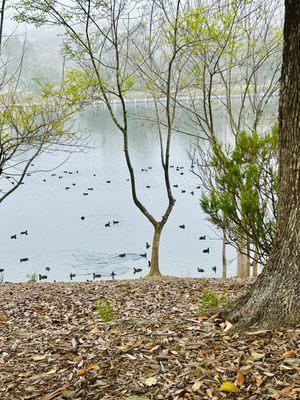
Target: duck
{"points": [[175, 186], [67, 187], [192, 193], [85, 194], [90, 188], [200, 269], [202, 237], [1, 270], [143, 255], [147, 245], [96, 275], [72, 275], [206, 251], [60, 177], [73, 184], [48, 269], [181, 173], [122, 255], [171, 166], [44, 180], [14, 236], [149, 264], [82, 218], [182, 226], [108, 181], [41, 277], [24, 259], [115, 222], [214, 269], [198, 187], [136, 270], [148, 187], [24, 233], [183, 191], [53, 174], [107, 225]]}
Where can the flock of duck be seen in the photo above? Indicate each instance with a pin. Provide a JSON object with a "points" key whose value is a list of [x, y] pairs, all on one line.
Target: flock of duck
{"points": [[96, 275]]}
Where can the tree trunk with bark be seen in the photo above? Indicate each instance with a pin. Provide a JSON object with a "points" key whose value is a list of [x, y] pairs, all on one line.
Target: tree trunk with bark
{"points": [[224, 261], [154, 268], [274, 299], [255, 264]]}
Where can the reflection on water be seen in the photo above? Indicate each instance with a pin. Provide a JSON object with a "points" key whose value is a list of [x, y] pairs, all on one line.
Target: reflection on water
{"points": [[67, 232]]}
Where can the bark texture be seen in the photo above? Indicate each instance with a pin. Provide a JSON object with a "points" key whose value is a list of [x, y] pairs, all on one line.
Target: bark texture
{"points": [[154, 268], [224, 261], [274, 299]]}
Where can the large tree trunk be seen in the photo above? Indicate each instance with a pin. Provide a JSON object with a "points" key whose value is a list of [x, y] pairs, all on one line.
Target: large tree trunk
{"points": [[154, 268], [274, 299]]}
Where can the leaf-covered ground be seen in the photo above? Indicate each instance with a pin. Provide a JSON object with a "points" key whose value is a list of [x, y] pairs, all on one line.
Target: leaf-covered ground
{"points": [[158, 346]]}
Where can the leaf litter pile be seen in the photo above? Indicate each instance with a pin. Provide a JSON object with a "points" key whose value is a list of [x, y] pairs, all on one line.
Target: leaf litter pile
{"points": [[136, 340]]}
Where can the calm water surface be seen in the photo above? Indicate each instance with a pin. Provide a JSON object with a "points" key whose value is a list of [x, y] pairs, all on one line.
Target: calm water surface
{"points": [[59, 239]]}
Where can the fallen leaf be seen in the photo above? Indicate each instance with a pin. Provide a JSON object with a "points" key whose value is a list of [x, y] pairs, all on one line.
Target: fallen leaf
{"points": [[255, 333], [228, 326], [289, 354], [257, 356], [151, 381], [87, 368], [54, 394], [39, 357], [95, 330], [228, 387], [197, 385], [240, 378]]}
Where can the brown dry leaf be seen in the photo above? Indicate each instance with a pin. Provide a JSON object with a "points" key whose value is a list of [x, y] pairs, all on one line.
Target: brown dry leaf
{"points": [[255, 333], [240, 378], [289, 354], [54, 394], [95, 330], [197, 385], [87, 368]]}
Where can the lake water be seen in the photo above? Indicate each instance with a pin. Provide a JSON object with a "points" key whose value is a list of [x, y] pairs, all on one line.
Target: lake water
{"points": [[59, 239]]}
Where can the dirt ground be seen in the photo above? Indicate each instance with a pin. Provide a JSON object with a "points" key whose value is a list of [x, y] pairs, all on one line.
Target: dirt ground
{"points": [[158, 344]]}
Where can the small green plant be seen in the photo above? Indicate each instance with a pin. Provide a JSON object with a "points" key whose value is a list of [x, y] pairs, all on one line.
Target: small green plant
{"points": [[210, 300], [32, 278], [105, 310]]}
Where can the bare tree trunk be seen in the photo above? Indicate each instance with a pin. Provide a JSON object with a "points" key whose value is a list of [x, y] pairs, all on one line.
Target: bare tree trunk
{"points": [[224, 261], [255, 264], [154, 269], [247, 261], [243, 262], [240, 264], [2, 23], [274, 299]]}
